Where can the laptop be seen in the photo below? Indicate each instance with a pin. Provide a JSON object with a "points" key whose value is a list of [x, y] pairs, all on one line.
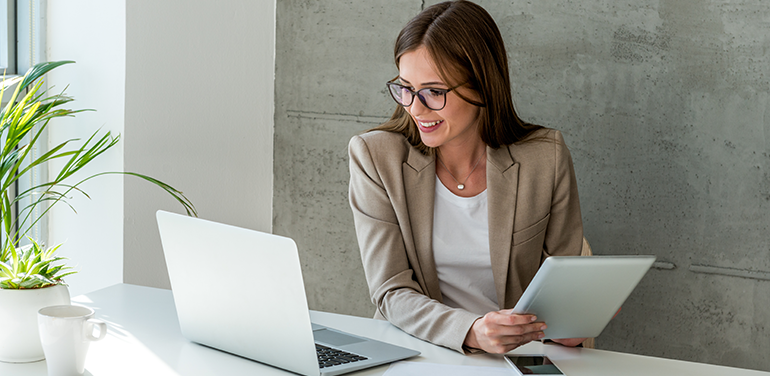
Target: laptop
{"points": [[241, 291], [577, 296]]}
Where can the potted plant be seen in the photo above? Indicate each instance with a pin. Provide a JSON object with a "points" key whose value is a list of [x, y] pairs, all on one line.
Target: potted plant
{"points": [[29, 280], [31, 277]]}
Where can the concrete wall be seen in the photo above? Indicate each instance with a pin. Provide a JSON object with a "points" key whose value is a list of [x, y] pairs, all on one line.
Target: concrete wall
{"points": [[199, 116], [664, 105], [332, 60]]}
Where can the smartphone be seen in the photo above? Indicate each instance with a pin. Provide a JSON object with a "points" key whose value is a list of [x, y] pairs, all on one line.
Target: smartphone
{"points": [[537, 364]]}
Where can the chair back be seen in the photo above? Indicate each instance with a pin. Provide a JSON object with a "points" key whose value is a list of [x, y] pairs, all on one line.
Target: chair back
{"points": [[589, 343]]}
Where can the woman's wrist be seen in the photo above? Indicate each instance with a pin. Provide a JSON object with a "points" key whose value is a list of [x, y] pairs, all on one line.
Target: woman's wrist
{"points": [[470, 339]]}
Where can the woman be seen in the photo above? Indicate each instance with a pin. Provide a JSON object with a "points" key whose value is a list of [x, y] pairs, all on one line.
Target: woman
{"points": [[456, 200]]}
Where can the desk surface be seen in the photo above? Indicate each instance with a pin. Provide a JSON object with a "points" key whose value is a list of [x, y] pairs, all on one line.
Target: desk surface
{"points": [[144, 338]]}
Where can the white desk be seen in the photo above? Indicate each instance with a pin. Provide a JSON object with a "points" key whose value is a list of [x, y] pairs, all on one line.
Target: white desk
{"points": [[144, 339]]}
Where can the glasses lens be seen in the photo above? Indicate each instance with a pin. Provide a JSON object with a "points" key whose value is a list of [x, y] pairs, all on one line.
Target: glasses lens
{"points": [[401, 94], [433, 98]]}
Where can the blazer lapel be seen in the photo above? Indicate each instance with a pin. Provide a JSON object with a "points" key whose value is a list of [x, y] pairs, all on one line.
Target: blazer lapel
{"points": [[502, 185], [419, 173]]}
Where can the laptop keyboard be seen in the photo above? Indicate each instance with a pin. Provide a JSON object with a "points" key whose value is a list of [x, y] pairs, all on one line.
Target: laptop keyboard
{"points": [[328, 356]]}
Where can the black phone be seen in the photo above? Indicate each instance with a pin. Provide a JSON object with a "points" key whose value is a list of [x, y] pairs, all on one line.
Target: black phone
{"points": [[533, 365]]}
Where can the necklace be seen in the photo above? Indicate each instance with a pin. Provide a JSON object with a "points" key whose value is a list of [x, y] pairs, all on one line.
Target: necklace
{"points": [[461, 186]]}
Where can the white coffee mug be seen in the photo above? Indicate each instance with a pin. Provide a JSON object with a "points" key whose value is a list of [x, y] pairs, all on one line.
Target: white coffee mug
{"points": [[65, 333]]}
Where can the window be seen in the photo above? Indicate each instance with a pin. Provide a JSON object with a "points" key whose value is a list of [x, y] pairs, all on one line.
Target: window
{"points": [[30, 33], [8, 36], [22, 44]]}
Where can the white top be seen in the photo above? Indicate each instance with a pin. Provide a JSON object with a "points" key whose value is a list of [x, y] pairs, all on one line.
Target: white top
{"points": [[461, 251]]}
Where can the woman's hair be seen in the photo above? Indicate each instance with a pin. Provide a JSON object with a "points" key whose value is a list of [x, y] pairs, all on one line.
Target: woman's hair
{"points": [[467, 48]]}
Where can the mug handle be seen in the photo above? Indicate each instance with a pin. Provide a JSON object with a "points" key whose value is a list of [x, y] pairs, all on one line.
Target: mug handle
{"points": [[89, 329]]}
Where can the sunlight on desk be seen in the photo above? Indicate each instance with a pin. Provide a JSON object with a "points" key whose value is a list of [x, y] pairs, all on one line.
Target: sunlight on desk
{"points": [[82, 299], [135, 358], [421, 369]]}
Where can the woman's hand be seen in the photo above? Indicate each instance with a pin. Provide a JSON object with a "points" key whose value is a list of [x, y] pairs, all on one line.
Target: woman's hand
{"points": [[502, 331]]}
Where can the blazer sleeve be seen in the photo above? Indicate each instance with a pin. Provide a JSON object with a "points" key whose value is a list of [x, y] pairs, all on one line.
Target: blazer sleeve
{"points": [[398, 296], [564, 234]]}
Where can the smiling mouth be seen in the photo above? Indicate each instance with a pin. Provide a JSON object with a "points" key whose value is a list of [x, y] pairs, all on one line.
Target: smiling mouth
{"points": [[430, 124]]}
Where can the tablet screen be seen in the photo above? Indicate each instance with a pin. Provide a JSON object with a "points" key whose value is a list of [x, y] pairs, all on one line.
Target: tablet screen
{"points": [[533, 365]]}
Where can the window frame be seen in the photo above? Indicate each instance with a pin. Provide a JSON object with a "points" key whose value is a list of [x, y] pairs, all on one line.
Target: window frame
{"points": [[8, 37], [28, 45]]}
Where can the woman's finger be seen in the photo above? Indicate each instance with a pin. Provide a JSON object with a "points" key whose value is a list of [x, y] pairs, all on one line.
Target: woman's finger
{"points": [[518, 330], [522, 339], [506, 317]]}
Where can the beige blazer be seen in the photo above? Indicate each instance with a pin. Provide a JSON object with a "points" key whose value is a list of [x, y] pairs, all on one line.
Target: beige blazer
{"points": [[534, 213]]}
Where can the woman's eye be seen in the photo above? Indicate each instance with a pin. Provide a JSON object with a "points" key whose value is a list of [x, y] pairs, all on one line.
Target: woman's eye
{"points": [[435, 92], [404, 87]]}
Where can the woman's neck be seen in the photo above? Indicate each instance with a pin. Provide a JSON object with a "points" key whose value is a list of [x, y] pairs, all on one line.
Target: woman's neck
{"points": [[461, 158], [463, 170]]}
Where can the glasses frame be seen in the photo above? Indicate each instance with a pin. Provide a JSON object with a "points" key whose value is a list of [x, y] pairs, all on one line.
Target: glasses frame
{"points": [[417, 94]]}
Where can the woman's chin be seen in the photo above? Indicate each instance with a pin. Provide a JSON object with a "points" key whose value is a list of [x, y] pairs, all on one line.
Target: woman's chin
{"points": [[430, 140], [431, 144]]}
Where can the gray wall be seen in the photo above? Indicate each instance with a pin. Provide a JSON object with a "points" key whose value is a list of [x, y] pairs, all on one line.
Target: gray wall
{"points": [[664, 105], [199, 116]]}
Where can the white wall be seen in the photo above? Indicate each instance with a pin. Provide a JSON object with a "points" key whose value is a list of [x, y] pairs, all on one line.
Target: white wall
{"points": [[199, 116], [189, 85], [91, 32]]}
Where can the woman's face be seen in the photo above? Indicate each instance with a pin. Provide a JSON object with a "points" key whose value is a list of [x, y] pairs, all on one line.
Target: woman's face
{"points": [[454, 125]]}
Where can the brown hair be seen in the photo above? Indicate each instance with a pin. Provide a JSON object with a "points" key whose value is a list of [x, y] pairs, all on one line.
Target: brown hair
{"points": [[467, 47]]}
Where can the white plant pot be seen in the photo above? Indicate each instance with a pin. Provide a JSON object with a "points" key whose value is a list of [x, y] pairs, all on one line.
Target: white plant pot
{"points": [[19, 337]]}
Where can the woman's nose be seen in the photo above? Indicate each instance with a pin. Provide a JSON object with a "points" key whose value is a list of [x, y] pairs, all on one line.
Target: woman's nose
{"points": [[418, 108]]}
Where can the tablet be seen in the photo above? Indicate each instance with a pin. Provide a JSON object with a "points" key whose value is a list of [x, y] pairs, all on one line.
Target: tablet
{"points": [[577, 296]]}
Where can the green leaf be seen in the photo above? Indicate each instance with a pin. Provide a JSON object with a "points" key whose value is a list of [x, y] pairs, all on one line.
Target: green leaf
{"points": [[37, 70], [30, 113], [7, 212], [15, 258], [51, 251], [32, 282], [6, 270], [6, 283], [61, 276]]}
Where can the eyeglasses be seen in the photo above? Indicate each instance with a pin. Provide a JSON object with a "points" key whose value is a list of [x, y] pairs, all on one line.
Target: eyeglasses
{"points": [[432, 98]]}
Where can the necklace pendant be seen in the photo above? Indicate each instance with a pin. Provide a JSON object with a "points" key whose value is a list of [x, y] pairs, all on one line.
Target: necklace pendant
{"points": [[461, 186]]}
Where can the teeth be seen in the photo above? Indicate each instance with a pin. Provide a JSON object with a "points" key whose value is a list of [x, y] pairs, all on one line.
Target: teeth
{"points": [[431, 124]]}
